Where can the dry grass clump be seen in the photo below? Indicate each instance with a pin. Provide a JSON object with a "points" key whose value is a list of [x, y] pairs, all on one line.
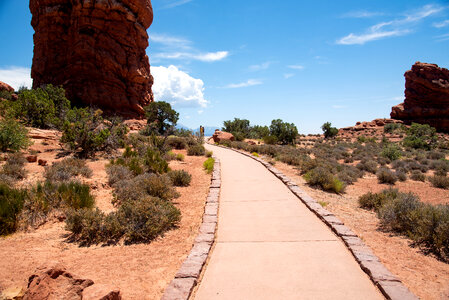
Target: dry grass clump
{"points": [[180, 177], [66, 169], [385, 175]]}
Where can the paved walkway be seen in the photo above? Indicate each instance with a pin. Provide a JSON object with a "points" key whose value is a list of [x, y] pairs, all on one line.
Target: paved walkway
{"points": [[270, 246]]}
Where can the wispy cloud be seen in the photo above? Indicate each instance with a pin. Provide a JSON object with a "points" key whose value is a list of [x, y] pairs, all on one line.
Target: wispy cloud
{"points": [[397, 27], [262, 66], [296, 67], [336, 106], [442, 38], [288, 75], [205, 57], [441, 24], [174, 47], [359, 14], [250, 82], [16, 77], [174, 3]]}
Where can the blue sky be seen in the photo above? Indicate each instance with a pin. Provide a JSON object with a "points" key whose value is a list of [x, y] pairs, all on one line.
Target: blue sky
{"points": [[306, 62]]}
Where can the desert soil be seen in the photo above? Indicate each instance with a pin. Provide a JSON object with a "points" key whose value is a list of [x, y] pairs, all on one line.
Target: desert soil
{"points": [[139, 271], [424, 275]]}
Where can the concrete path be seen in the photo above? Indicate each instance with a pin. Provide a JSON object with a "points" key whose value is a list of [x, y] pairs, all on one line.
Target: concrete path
{"points": [[270, 246]]}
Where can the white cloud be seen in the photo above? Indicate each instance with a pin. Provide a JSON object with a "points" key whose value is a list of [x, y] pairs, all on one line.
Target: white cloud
{"points": [[250, 82], [296, 67], [175, 3], [362, 14], [170, 41], [16, 77], [262, 66], [177, 87], [442, 38], [205, 57], [441, 24], [288, 75], [392, 28]]}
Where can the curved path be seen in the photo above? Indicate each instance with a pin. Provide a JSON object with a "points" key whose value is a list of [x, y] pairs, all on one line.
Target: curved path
{"points": [[270, 246]]}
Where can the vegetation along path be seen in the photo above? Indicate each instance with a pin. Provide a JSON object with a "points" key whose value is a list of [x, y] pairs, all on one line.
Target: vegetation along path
{"points": [[270, 246]]}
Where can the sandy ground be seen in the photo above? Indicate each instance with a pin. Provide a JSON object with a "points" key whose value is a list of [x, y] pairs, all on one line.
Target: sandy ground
{"points": [[423, 274], [140, 271]]}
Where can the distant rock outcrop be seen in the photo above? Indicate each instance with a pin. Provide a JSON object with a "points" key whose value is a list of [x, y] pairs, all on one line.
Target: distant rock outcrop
{"points": [[95, 50], [426, 97], [6, 87]]}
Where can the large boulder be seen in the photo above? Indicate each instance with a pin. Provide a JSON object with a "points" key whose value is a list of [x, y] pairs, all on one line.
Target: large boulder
{"points": [[222, 136], [426, 97], [95, 50], [6, 87]]}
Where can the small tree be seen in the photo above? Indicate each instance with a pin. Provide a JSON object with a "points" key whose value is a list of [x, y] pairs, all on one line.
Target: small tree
{"points": [[161, 117], [285, 132], [420, 137], [13, 135], [328, 130], [238, 127]]}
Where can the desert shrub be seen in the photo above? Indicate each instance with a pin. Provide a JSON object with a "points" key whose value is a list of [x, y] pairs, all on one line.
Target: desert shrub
{"points": [[433, 154], [169, 156], [196, 150], [176, 142], [85, 225], [11, 204], [255, 154], [66, 169], [180, 157], [441, 182], [154, 161], [76, 195], [322, 178], [308, 164], [441, 166], [417, 176], [270, 140], [365, 139], [209, 165], [392, 152], [14, 167], [397, 214], [385, 175], [349, 175], [44, 107], [209, 153], [383, 160], [420, 137], [376, 201], [117, 173], [367, 165], [180, 177], [401, 175], [328, 130], [391, 127], [13, 135]]}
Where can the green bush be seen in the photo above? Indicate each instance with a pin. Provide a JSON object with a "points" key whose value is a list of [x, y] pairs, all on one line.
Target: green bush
{"points": [[324, 179], [86, 225], [11, 204], [240, 128], [441, 182], [154, 161], [385, 175], [368, 165], [66, 169], [401, 175], [328, 130], [376, 201], [209, 165], [196, 150], [45, 107], [180, 157], [420, 137], [392, 127], [180, 177], [392, 152], [209, 153], [270, 140], [13, 135], [176, 142], [285, 133], [76, 195], [398, 214], [117, 173], [14, 167], [417, 176]]}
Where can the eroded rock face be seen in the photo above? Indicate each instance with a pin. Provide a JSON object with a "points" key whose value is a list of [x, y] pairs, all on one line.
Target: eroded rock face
{"points": [[6, 87], [96, 50], [426, 97]]}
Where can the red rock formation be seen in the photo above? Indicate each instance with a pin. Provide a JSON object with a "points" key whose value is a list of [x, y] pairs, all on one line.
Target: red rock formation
{"points": [[6, 87], [222, 136], [426, 97], [96, 50]]}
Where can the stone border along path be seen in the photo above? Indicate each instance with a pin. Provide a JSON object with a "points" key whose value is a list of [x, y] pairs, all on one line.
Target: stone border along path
{"points": [[187, 276], [390, 286]]}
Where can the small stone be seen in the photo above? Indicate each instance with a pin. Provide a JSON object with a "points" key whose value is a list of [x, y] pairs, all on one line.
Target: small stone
{"points": [[31, 158], [42, 162]]}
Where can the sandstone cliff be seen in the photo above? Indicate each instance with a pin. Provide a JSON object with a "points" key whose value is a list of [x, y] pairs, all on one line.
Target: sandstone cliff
{"points": [[96, 50], [426, 97]]}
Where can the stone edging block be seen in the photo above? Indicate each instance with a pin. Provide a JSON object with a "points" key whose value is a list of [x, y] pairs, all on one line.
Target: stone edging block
{"points": [[390, 286], [187, 276]]}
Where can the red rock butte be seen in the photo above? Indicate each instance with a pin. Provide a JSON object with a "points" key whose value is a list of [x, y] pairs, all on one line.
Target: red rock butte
{"points": [[426, 97], [95, 49]]}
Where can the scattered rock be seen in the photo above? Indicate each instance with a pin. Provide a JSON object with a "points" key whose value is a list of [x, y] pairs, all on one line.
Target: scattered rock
{"points": [[96, 51], [222, 136], [44, 134], [6, 87], [134, 124], [31, 158], [426, 97], [54, 282], [101, 292], [42, 162], [14, 293]]}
